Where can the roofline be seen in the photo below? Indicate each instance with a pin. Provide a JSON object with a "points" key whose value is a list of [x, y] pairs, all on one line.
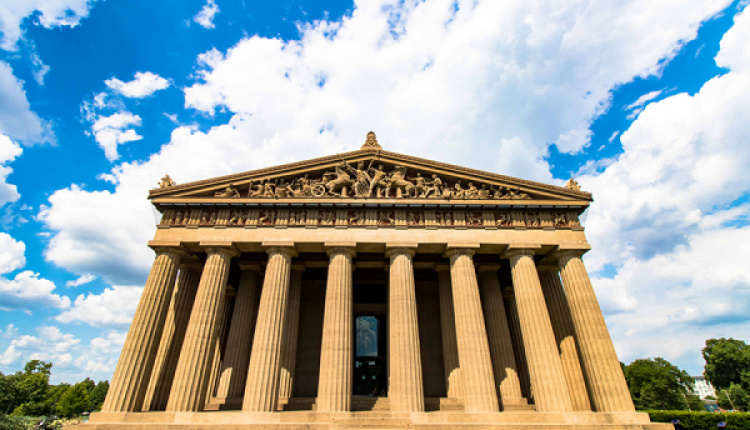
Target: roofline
{"points": [[378, 152]]}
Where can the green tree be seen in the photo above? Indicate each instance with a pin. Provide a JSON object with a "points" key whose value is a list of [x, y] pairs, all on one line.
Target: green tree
{"points": [[32, 386], [97, 395], [694, 403], [727, 362], [75, 401], [658, 384], [54, 395], [735, 397]]}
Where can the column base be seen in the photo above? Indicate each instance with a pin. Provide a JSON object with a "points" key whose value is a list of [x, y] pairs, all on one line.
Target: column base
{"points": [[238, 420]]}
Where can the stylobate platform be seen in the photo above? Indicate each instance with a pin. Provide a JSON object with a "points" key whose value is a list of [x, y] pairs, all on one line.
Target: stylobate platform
{"points": [[371, 420]]}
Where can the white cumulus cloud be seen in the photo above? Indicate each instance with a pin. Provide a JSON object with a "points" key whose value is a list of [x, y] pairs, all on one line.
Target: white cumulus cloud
{"points": [[11, 254], [113, 130], [49, 14], [666, 217], [142, 85], [487, 85], [114, 306], [28, 291], [205, 18], [81, 280], [17, 121]]}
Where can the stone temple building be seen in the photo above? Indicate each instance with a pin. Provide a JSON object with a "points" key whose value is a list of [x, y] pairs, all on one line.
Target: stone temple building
{"points": [[368, 289]]}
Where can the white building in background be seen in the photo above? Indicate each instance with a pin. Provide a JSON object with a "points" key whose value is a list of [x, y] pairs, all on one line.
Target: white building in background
{"points": [[702, 387]]}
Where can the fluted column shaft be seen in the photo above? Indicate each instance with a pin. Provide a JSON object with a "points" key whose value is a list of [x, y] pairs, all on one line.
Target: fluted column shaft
{"points": [[545, 369], [448, 332], [170, 345], [336, 354], [519, 350], [562, 325], [606, 383], [225, 311], [190, 385], [291, 329], [406, 390], [262, 386], [471, 336], [133, 371], [498, 333], [239, 341]]}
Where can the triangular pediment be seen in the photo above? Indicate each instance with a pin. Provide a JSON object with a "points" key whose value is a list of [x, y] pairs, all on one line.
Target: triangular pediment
{"points": [[369, 175]]}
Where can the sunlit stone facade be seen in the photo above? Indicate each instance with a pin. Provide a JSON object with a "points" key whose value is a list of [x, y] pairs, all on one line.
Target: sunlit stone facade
{"points": [[368, 288]]}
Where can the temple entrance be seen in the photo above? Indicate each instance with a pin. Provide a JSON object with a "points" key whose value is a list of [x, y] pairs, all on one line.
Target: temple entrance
{"points": [[370, 360]]}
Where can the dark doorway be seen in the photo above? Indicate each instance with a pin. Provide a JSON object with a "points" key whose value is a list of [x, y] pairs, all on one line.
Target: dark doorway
{"points": [[370, 363]]}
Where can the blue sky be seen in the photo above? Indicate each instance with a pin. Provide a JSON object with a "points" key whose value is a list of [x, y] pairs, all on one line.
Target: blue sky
{"points": [[647, 105]]}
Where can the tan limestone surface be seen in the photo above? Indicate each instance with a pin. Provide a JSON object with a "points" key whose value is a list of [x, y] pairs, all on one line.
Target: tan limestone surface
{"points": [[262, 386], [448, 331], [545, 369], [498, 334], [190, 386], [473, 348], [562, 325], [405, 389], [336, 355], [133, 371], [607, 386], [170, 345]]}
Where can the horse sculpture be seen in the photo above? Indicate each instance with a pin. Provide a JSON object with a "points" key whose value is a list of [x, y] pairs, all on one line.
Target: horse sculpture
{"points": [[399, 182]]}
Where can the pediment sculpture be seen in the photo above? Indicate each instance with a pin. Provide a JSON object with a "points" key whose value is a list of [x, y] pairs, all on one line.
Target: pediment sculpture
{"points": [[372, 181]]}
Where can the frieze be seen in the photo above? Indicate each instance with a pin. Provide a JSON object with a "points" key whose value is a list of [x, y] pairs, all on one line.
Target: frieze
{"points": [[196, 217], [372, 181]]}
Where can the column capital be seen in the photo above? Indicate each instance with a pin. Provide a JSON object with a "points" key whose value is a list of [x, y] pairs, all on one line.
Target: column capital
{"points": [[220, 248], [512, 252], [405, 249], [450, 252], [298, 267], [492, 268], [509, 293], [346, 249], [275, 249], [175, 247]]}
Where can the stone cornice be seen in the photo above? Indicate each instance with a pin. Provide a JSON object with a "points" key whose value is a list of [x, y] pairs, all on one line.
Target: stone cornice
{"points": [[386, 156]]}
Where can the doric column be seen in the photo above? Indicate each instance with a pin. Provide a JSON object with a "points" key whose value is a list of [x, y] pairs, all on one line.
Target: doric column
{"points": [[170, 345], [498, 333], [239, 340], [562, 325], [606, 383], [262, 386], [405, 390], [448, 332], [471, 336], [190, 385], [225, 312], [545, 369], [519, 351], [336, 352], [291, 329], [133, 371]]}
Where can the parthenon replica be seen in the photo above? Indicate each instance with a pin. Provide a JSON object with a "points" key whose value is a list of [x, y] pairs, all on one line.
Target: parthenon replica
{"points": [[368, 289]]}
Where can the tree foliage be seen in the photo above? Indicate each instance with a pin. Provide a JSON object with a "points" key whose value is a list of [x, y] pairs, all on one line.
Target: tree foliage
{"points": [[733, 398], [28, 393], [727, 363], [658, 384]]}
